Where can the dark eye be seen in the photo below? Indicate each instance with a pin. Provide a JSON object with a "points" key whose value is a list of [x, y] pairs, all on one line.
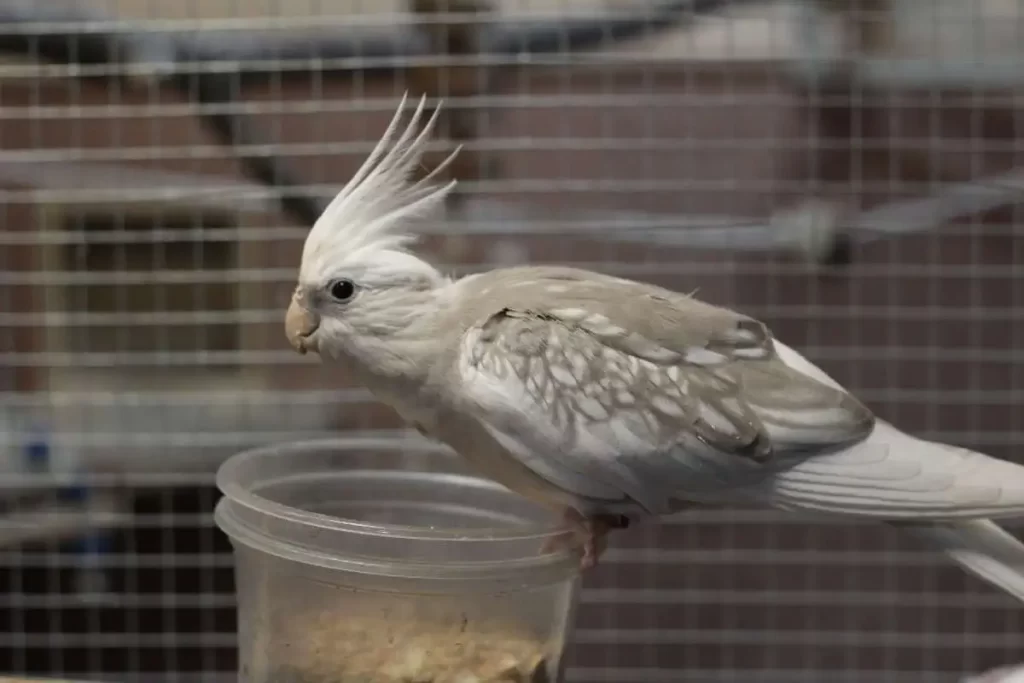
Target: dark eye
{"points": [[342, 290]]}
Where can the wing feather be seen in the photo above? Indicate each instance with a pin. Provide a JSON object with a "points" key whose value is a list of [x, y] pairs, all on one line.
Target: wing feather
{"points": [[608, 410]]}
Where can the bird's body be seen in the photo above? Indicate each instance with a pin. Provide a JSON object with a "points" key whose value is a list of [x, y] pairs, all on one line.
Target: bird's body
{"points": [[615, 400], [548, 347]]}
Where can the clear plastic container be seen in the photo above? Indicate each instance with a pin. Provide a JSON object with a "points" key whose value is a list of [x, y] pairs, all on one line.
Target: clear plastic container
{"points": [[370, 560]]}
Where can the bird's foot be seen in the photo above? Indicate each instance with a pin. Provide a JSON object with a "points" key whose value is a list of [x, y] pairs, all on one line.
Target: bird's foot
{"points": [[592, 534]]}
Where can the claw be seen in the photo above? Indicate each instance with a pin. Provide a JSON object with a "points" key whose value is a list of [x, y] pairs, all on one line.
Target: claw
{"points": [[591, 532]]}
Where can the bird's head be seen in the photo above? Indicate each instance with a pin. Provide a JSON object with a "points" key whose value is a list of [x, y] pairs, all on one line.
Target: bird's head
{"points": [[357, 276]]}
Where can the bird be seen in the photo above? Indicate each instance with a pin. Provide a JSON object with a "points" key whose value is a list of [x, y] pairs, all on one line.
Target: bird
{"points": [[611, 401]]}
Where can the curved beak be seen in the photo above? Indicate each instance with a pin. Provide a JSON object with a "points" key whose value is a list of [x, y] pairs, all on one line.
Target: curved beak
{"points": [[299, 324]]}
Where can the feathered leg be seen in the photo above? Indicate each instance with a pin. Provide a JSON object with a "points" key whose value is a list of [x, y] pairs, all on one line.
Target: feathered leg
{"points": [[592, 531]]}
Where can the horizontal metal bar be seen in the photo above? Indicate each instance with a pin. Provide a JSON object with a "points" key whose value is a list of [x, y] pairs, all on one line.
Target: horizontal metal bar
{"points": [[649, 637], [803, 597]]}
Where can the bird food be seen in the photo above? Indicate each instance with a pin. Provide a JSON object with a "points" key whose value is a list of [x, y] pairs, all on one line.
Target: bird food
{"points": [[331, 648]]}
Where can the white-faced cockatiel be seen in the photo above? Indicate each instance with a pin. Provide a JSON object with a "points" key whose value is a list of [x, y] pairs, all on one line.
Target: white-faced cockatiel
{"points": [[610, 400]]}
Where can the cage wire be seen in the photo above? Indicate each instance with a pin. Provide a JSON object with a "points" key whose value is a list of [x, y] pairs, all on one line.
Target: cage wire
{"points": [[845, 171]]}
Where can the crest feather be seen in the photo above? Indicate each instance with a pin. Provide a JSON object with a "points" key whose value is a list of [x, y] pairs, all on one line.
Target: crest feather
{"points": [[373, 208]]}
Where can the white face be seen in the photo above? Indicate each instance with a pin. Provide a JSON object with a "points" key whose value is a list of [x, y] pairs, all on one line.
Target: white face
{"points": [[362, 295], [356, 278]]}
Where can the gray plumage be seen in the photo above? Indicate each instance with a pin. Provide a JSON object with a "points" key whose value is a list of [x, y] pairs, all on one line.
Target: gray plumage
{"points": [[611, 399]]}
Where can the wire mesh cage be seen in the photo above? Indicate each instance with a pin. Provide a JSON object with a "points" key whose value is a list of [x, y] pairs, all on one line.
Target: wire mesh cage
{"points": [[845, 171]]}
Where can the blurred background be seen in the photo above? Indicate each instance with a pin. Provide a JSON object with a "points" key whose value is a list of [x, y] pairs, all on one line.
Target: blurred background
{"points": [[844, 170]]}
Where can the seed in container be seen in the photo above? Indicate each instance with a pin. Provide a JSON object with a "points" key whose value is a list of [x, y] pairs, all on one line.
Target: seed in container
{"points": [[329, 648]]}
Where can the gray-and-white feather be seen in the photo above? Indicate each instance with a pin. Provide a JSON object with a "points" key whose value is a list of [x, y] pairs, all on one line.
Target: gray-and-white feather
{"points": [[589, 377], [611, 396]]}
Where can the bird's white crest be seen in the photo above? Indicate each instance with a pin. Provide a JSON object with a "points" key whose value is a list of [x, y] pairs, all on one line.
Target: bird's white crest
{"points": [[374, 208]]}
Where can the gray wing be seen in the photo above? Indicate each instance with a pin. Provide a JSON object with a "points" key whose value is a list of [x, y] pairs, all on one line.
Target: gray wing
{"points": [[605, 412]]}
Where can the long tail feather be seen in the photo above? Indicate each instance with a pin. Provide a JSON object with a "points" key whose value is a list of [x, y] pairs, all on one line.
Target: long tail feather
{"points": [[981, 547]]}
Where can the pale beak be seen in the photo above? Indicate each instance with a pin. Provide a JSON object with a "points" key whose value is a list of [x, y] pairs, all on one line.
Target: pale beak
{"points": [[299, 324]]}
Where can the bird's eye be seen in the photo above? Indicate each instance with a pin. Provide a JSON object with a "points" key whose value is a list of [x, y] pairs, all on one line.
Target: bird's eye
{"points": [[342, 290]]}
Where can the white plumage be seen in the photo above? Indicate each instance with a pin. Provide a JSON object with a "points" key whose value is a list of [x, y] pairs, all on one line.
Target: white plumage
{"points": [[615, 400], [1009, 674]]}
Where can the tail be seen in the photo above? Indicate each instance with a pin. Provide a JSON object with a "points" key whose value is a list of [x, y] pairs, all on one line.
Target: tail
{"points": [[945, 495], [981, 547]]}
